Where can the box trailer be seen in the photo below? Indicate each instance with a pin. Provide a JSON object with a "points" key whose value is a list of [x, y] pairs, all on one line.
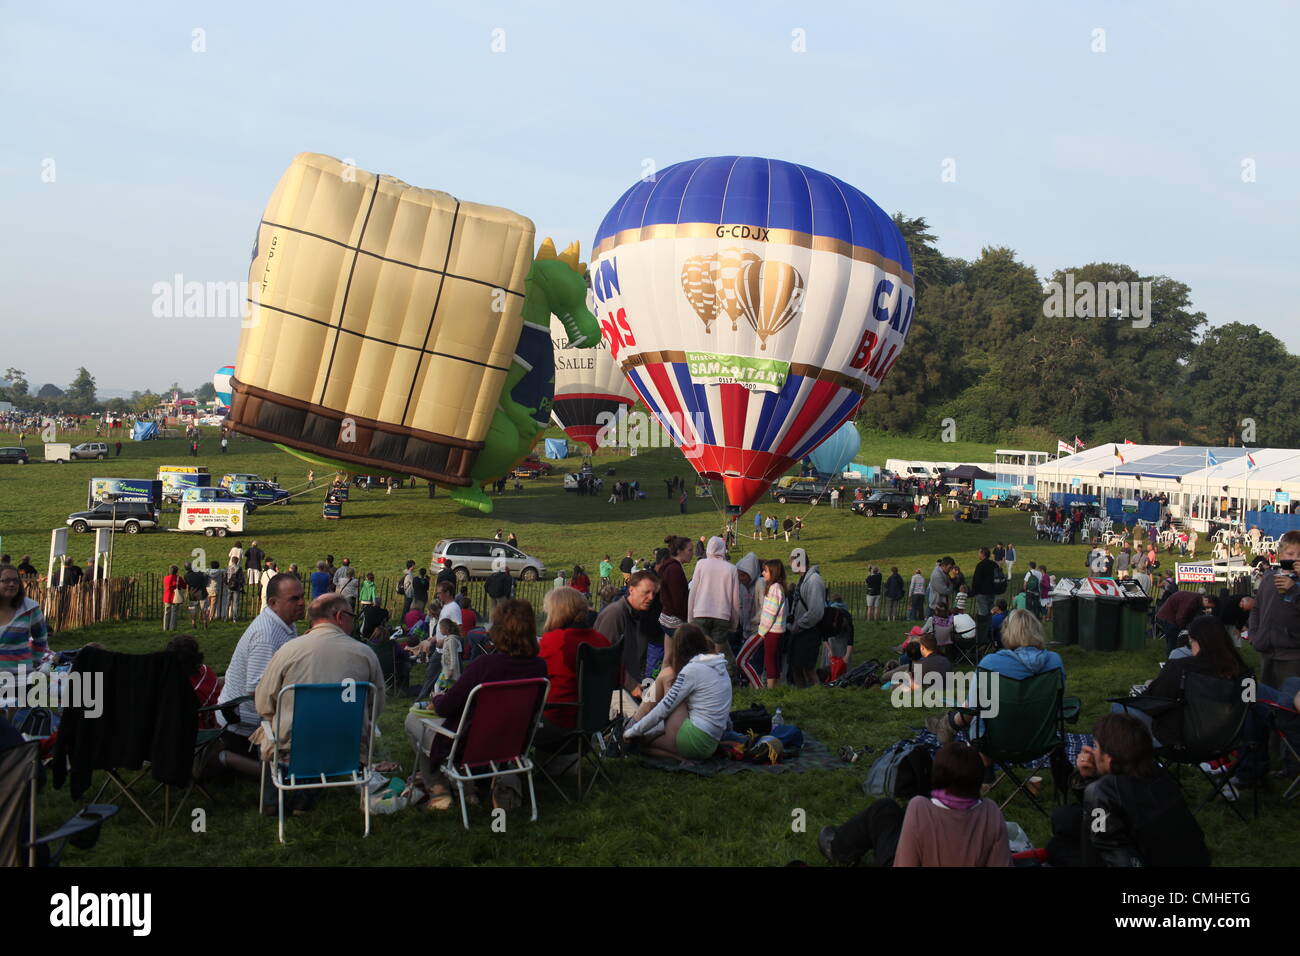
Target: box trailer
{"points": [[213, 518], [124, 489]]}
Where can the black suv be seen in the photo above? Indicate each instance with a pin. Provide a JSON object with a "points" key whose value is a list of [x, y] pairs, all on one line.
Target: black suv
{"points": [[890, 504], [13, 456], [129, 516], [805, 489]]}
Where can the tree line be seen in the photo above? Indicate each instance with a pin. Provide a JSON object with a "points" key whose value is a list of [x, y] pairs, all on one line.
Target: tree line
{"points": [[79, 398], [991, 350]]}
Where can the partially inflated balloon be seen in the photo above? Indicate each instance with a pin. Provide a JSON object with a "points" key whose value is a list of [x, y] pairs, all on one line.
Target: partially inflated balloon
{"points": [[752, 303], [589, 386], [384, 320], [221, 382], [832, 455]]}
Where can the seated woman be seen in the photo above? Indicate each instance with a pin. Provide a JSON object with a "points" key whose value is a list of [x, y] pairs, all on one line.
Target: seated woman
{"points": [[691, 718], [1023, 655], [673, 662], [1212, 654], [951, 826], [202, 677], [514, 629], [565, 609], [940, 624], [1141, 818]]}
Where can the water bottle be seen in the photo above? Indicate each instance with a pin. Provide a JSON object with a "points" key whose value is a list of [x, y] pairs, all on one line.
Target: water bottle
{"points": [[777, 719]]}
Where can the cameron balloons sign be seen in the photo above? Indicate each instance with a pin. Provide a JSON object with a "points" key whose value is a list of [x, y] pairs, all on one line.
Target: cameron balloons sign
{"points": [[752, 303]]}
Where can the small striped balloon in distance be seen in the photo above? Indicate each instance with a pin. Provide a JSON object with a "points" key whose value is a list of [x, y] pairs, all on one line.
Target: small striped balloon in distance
{"points": [[752, 303], [221, 382], [588, 384]]}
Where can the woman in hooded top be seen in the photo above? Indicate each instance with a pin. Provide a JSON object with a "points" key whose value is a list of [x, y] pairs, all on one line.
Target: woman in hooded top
{"points": [[714, 601], [695, 712]]}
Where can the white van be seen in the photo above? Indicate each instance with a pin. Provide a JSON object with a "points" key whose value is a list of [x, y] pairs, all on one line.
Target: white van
{"points": [[217, 518]]}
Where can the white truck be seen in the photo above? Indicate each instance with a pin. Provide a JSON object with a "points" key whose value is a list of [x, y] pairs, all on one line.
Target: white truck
{"points": [[217, 518]]}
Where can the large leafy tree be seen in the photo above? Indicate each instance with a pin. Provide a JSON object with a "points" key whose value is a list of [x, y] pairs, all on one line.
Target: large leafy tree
{"points": [[1238, 373], [17, 379], [81, 393]]}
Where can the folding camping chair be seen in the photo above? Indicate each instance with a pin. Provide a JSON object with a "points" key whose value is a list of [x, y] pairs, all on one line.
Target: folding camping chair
{"points": [[331, 723], [598, 678], [1286, 725], [204, 741], [1030, 724], [494, 735], [132, 713], [18, 792], [1213, 716], [968, 646]]}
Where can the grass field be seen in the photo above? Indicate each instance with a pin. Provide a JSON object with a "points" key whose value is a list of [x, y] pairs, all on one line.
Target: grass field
{"points": [[379, 532], [650, 817]]}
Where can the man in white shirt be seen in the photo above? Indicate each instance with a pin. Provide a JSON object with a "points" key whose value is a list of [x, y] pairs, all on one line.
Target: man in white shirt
{"points": [[269, 572], [964, 627], [265, 634]]}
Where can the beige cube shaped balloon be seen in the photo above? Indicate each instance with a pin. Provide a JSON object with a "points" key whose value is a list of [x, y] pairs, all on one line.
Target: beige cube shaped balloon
{"points": [[378, 303]]}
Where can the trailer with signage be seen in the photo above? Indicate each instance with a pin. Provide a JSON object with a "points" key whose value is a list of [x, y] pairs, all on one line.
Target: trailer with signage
{"points": [[124, 489], [213, 518], [176, 478]]}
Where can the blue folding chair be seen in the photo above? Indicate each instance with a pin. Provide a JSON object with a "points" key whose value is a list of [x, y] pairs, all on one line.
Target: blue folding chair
{"points": [[330, 722]]}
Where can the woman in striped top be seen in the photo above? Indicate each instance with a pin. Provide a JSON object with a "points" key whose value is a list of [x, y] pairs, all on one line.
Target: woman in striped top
{"points": [[771, 626], [24, 637]]}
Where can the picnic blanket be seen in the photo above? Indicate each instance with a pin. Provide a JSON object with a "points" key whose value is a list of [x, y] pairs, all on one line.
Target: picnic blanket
{"points": [[1073, 744], [814, 756]]}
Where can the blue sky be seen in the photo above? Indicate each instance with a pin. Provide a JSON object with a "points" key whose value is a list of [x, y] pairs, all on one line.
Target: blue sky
{"points": [[164, 157]]}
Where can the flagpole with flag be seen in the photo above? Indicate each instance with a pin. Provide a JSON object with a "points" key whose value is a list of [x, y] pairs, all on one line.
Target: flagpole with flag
{"points": [[1210, 462]]}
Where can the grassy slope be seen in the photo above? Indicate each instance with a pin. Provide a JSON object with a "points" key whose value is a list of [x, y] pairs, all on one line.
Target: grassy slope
{"points": [[743, 819]]}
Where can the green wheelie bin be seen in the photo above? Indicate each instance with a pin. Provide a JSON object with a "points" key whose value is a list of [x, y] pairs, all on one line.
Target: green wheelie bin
{"points": [[1065, 613], [1099, 623], [1133, 617]]}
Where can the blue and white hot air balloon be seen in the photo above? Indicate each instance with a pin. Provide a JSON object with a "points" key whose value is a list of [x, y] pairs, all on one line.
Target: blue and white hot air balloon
{"points": [[752, 303], [221, 382], [834, 454]]}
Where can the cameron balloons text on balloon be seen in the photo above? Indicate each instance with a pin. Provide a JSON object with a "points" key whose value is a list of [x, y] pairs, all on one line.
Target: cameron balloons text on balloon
{"points": [[752, 303]]}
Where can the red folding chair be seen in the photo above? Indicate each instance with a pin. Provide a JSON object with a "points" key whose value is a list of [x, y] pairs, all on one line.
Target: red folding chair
{"points": [[495, 734]]}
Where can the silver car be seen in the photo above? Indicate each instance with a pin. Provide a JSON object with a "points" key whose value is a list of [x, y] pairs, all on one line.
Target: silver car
{"points": [[90, 449], [472, 558]]}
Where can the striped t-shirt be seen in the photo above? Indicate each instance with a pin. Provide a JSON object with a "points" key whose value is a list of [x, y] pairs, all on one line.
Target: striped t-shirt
{"points": [[25, 639]]}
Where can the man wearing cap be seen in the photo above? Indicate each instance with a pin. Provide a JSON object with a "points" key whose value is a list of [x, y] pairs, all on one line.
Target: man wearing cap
{"points": [[807, 605], [964, 627]]}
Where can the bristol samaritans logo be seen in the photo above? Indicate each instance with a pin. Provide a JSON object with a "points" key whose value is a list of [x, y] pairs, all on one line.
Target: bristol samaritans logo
{"points": [[766, 293]]}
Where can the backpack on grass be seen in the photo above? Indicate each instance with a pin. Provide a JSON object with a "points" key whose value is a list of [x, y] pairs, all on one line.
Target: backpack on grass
{"points": [[755, 720], [866, 674], [901, 772]]}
